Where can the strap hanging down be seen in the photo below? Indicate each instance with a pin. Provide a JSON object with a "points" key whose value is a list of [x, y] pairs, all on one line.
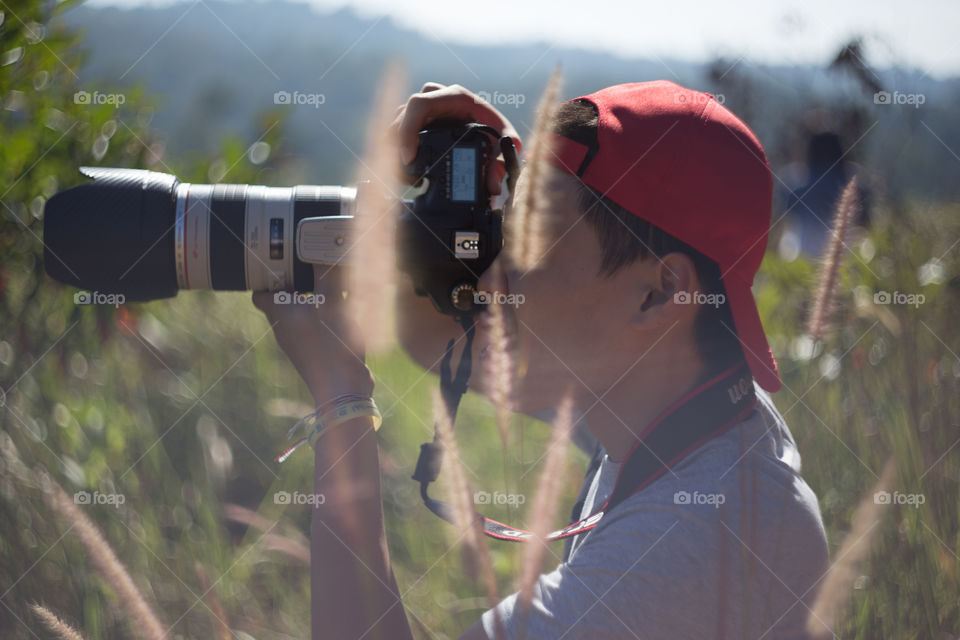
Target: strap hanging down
{"points": [[704, 413], [451, 390]]}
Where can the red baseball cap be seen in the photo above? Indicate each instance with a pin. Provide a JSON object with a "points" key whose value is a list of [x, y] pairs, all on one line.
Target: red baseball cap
{"points": [[683, 162]]}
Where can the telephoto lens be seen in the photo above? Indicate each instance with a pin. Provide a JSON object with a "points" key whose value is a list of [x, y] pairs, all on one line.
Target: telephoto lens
{"points": [[145, 235]]}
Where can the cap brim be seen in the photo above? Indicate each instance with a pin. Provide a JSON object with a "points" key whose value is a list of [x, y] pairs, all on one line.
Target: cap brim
{"points": [[750, 332]]}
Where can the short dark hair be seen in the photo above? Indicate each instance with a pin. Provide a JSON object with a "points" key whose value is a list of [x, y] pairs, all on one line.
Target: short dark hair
{"points": [[625, 238]]}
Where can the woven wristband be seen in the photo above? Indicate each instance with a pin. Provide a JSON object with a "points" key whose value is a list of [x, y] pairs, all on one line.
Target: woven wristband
{"points": [[346, 407]]}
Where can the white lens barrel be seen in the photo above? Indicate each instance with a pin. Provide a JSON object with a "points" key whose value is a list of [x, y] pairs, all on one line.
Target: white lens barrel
{"points": [[192, 243], [239, 237]]}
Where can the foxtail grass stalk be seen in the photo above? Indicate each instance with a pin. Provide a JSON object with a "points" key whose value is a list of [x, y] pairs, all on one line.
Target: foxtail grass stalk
{"points": [[476, 552], [371, 275], [498, 369], [143, 621], [219, 621], [52, 621], [824, 301], [527, 226], [836, 585], [546, 501]]}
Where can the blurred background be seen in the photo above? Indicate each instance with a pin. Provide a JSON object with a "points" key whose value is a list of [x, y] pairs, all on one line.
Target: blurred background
{"points": [[161, 419]]}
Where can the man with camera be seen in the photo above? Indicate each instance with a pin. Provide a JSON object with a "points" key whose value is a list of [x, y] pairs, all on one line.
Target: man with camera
{"points": [[641, 309]]}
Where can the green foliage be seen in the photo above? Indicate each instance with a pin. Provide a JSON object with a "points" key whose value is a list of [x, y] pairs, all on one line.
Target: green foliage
{"points": [[89, 391]]}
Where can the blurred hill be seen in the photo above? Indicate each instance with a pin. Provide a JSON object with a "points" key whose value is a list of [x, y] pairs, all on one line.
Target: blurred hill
{"points": [[214, 66]]}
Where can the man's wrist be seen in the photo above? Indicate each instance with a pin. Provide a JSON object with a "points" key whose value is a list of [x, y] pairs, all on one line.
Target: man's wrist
{"points": [[360, 383]]}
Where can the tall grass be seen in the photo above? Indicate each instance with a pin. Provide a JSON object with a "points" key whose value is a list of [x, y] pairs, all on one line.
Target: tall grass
{"points": [[371, 274], [546, 502], [476, 552], [528, 227], [825, 298], [54, 624], [144, 622], [498, 366]]}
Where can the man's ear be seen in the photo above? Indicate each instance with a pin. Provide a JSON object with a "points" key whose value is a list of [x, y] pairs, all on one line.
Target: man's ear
{"points": [[667, 294]]}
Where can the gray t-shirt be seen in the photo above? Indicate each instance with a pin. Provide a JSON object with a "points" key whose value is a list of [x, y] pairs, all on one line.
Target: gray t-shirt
{"points": [[728, 544]]}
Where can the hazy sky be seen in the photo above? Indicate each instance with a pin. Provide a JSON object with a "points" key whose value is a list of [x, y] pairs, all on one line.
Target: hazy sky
{"points": [[921, 33]]}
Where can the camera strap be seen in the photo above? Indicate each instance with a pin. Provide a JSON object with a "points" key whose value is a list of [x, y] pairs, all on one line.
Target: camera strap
{"points": [[707, 411]]}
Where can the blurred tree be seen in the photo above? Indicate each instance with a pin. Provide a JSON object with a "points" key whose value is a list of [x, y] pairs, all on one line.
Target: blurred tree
{"points": [[77, 383]]}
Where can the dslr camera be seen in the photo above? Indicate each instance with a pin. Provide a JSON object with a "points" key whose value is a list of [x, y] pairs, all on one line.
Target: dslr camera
{"points": [[146, 235]]}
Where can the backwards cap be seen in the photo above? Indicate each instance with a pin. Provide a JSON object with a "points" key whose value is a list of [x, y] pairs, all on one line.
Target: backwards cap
{"points": [[680, 160]]}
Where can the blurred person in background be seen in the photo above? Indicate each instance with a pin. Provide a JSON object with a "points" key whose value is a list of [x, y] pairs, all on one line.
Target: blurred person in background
{"points": [[812, 197]]}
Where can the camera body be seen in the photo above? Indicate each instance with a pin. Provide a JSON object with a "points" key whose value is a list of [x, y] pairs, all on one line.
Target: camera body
{"points": [[145, 235], [450, 235]]}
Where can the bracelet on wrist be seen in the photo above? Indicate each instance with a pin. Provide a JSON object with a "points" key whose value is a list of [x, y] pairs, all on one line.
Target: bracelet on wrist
{"points": [[337, 410]]}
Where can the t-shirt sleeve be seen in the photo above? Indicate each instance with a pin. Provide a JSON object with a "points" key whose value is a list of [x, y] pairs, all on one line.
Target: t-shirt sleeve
{"points": [[601, 592]]}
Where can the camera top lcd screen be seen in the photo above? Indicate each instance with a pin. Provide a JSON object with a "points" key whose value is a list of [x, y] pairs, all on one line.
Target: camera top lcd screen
{"points": [[463, 174]]}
